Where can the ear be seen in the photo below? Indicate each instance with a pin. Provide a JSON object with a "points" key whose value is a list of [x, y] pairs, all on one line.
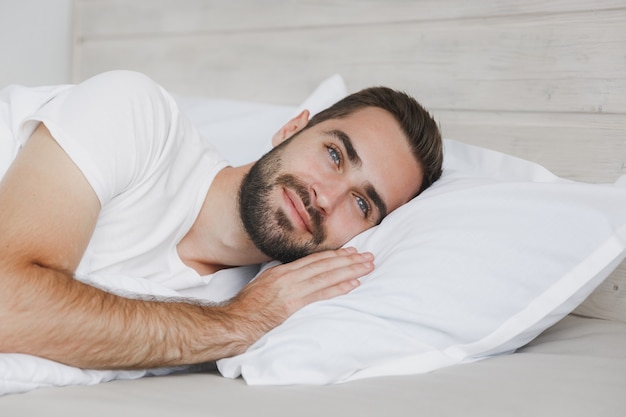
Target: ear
{"points": [[290, 128]]}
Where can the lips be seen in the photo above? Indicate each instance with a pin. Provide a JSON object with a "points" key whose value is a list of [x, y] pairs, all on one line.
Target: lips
{"points": [[296, 209]]}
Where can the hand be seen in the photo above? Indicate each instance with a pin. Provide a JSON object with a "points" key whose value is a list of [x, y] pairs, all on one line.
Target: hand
{"points": [[280, 291]]}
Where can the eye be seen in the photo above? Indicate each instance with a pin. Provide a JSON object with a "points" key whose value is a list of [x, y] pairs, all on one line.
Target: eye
{"points": [[335, 154], [363, 206]]}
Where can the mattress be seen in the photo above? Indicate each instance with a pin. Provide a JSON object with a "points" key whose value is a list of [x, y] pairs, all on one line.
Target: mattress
{"points": [[576, 368]]}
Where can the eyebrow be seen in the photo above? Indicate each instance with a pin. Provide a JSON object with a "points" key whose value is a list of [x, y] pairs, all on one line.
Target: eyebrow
{"points": [[356, 162]]}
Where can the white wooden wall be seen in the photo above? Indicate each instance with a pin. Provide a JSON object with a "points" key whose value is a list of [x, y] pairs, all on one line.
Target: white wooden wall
{"points": [[541, 79]]}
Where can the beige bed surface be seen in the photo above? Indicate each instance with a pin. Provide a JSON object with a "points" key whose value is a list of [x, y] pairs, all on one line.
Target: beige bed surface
{"points": [[571, 370]]}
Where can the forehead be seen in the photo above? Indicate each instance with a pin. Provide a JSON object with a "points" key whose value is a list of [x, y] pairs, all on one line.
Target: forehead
{"points": [[388, 163]]}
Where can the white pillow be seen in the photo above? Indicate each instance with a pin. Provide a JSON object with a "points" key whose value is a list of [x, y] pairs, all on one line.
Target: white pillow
{"points": [[494, 253]]}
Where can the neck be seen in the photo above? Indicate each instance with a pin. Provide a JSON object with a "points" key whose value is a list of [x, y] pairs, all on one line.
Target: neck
{"points": [[217, 239]]}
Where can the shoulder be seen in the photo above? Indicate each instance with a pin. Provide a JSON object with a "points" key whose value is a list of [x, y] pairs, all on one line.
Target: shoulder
{"points": [[127, 85], [128, 104], [133, 80]]}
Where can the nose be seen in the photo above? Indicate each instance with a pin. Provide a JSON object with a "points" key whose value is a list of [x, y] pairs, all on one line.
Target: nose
{"points": [[326, 195]]}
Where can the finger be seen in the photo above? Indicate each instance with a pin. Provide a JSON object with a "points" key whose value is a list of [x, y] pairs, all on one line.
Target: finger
{"points": [[337, 282], [326, 268], [331, 272]]}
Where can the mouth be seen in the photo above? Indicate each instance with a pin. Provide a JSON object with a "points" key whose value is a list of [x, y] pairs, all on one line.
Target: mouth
{"points": [[296, 210]]}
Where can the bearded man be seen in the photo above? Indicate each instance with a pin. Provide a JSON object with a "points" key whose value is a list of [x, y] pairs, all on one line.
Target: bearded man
{"points": [[108, 177]]}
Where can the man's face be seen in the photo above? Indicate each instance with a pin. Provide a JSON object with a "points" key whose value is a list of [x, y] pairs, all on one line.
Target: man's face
{"points": [[326, 184]]}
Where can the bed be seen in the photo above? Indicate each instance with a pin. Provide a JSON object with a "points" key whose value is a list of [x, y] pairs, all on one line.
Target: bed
{"points": [[530, 98]]}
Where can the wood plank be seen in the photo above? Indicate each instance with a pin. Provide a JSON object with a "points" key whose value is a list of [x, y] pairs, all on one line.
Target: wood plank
{"points": [[121, 17], [571, 63], [581, 147], [608, 301]]}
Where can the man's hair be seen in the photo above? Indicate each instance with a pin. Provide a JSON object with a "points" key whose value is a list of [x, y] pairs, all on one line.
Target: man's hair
{"points": [[418, 125]]}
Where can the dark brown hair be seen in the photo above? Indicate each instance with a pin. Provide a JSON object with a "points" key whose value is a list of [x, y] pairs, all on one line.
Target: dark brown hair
{"points": [[418, 125]]}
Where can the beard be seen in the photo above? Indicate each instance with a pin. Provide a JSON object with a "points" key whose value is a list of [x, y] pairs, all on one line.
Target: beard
{"points": [[269, 228]]}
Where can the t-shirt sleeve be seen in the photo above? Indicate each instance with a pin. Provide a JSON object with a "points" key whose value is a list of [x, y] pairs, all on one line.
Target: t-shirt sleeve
{"points": [[115, 127]]}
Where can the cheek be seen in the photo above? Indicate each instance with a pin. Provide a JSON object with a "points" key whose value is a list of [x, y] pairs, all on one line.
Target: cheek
{"points": [[343, 226], [306, 170]]}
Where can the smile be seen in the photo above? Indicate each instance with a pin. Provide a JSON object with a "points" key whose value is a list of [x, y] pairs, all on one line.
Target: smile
{"points": [[296, 210]]}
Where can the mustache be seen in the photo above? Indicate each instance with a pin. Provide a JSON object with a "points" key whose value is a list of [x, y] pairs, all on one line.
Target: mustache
{"points": [[286, 180]]}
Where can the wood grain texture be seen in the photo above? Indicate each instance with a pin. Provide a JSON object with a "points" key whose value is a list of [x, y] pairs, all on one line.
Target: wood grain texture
{"points": [[544, 81], [581, 147], [608, 301], [118, 18], [513, 63]]}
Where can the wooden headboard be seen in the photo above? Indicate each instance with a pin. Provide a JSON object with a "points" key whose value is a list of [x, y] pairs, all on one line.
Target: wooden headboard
{"points": [[543, 80]]}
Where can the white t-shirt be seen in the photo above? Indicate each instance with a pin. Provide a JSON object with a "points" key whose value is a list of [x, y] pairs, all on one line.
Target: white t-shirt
{"points": [[143, 158]]}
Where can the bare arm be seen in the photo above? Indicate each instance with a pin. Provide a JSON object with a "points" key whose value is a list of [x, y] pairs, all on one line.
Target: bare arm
{"points": [[48, 213]]}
